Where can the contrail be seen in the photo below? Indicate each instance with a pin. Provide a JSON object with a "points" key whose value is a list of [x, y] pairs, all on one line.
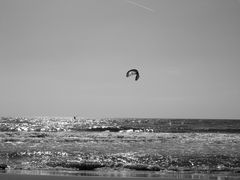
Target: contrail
{"points": [[139, 5]]}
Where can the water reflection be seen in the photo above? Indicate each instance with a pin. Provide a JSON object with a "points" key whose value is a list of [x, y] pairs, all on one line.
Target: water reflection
{"points": [[129, 173]]}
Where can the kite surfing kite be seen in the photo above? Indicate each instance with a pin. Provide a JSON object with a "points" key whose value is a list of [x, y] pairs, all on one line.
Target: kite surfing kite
{"points": [[134, 72]]}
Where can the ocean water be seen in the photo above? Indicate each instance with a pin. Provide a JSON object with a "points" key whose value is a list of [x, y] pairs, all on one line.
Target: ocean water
{"points": [[125, 147], [57, 124]]}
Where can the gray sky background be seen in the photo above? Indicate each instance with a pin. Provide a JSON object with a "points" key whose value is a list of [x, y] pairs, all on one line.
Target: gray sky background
{"points": [[65, 58]]}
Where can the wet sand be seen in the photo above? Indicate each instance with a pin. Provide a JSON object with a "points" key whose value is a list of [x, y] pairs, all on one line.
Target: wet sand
{"points": [[126, 175], [54, 177], [45, 177]]}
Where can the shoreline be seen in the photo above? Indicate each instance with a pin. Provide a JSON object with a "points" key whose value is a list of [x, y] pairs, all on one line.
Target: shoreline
{"points": [[117, 175], [42, 148], [48, 177], [120, 153], [52, 177]]}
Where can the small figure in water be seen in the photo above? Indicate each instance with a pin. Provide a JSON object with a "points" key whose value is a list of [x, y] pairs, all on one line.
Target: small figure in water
{"points": [[74, 117]]}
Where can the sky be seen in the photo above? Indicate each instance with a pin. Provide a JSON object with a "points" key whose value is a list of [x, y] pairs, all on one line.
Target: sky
{"points": [[70, 58]]}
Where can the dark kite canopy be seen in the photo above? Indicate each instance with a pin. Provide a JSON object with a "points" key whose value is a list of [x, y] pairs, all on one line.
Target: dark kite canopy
{"points": [[132, 72]]}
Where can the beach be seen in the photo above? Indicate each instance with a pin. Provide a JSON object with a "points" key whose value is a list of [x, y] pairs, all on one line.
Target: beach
{"points": [[120, 89], [119, 148]]}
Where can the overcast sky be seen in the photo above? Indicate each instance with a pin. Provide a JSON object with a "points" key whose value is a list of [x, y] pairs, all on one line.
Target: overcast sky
{"points": [[70, 57]]}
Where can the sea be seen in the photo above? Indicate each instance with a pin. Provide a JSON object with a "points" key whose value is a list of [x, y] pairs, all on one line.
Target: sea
{"points": [[121, 147]]}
